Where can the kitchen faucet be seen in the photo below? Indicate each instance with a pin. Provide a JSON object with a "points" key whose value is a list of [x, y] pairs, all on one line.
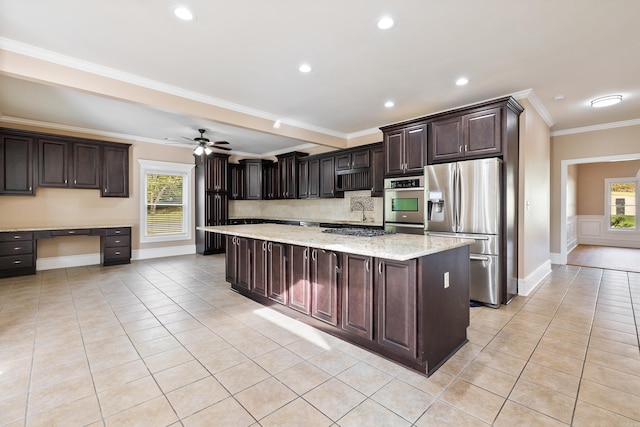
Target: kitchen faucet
{"points": [[361, 206]]}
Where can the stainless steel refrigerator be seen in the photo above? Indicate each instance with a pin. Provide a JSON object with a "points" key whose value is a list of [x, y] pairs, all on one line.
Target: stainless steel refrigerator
{"points": [[463, 200]]}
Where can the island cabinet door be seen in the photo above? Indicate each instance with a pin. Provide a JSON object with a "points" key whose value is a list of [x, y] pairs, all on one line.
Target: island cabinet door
{"points": [[396, 304], [259, 268], [277, 272], [324, 271], [357, 298], [231, 261], [243, 263], [299, 294]]}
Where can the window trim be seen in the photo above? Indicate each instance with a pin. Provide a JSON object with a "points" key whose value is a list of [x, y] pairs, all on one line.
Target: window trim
{"points": [[166, 168], [607, 200]]}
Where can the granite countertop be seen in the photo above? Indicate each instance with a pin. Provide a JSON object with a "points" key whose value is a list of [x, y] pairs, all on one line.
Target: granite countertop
{"points": [[61, 227], [400, 247]]}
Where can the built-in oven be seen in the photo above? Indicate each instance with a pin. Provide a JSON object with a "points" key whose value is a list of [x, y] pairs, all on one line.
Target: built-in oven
{"points": [[404, 204]]}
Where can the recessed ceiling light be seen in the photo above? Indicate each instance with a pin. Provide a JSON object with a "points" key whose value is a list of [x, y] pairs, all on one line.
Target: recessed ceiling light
{"points": [[462, 81], [385, 23], [305, 68], [389, 104], [605, 101], [183, 13]]}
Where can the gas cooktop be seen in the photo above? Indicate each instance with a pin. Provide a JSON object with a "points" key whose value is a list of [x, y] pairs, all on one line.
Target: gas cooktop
{"points": [[354, 231]]}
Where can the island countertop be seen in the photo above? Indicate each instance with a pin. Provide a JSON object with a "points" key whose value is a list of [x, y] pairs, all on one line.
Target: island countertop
{"points": [[400, 247]]}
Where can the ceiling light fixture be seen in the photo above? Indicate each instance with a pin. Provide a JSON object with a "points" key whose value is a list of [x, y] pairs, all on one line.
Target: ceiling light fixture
{"points": [[183, 13], [605, 101], [462, 81], [199, 150], [304, 68], [385, 23], [389, 104]]}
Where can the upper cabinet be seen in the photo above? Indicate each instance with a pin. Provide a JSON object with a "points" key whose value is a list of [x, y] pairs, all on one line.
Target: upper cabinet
{"points": [[482, 130], [472, 135], [405, 149], [17, 164], [236, 181], [30, 159], [288, 174], [115, 170], [216, 173], [349, 160]]}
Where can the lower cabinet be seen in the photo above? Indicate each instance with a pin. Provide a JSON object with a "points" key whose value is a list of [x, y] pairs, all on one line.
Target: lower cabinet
{"points": [[299, 286], [116, 246], [17, 253], [357, 296], [238, 262], [396, 302], [324, 274], [259, 267], [277, 272]]}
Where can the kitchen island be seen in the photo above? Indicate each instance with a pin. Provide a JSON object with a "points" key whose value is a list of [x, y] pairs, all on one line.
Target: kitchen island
{"points": [[405, 297]]}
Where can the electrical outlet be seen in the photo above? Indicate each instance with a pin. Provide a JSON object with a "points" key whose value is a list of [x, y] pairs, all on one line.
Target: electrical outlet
{"points": [[446, 280]]}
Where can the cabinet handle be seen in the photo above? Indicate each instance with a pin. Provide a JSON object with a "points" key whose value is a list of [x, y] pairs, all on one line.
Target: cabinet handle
{"points": [[117, 231], [117, 241], [460, 149], [117, 253], [75, 181], [415, 130], [466, 148], [72, 232], [269, 246], [264, 246], [314, 255], [380, 267], [17, 262], [29, 188], [65, 181], [366, 265], [306, 253], [16, 237], [16, 249]]}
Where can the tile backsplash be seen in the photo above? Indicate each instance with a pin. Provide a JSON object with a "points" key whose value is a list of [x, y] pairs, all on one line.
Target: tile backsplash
{"points": [[347, 209]]}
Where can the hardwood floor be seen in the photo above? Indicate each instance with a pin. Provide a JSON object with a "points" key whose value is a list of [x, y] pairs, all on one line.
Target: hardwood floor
{"points": [[611, 258]]}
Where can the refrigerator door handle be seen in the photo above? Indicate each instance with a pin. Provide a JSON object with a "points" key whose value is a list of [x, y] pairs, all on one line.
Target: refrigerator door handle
{"points": [[457, 195], [479, 258]]}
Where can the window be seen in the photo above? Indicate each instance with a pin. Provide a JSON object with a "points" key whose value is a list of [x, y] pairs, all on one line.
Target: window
{"points": [[165, 205], [622, 199]]}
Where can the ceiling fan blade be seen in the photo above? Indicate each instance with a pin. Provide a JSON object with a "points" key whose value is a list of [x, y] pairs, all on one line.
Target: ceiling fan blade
{"points": [[189, 139], [220, 142], [220, 148]]}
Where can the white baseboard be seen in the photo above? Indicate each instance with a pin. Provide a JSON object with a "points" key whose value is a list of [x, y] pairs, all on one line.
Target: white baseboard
{"points": [[163, 252], [52, 263], [558, 259], [533, 280], [609, 242]]}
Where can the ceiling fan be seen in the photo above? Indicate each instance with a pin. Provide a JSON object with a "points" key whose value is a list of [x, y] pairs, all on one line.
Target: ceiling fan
{"points": [[205, 145]]}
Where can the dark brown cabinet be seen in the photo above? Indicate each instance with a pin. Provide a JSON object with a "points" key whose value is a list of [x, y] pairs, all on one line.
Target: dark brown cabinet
{"points": [[405, 149], [236, 181], [256, 178], [115, 170], [16, 164], [288, 174], [396, 303], [238, 262], [259, 267], [350, 160], [377, 171], [324, 271], [212, 201], [309, 178], [17, 253], [53, 163], [277, 272], [327, 177], [86, 166], [116, 246], [357, 295], [299, 292], [466, 136], [270, 181]]}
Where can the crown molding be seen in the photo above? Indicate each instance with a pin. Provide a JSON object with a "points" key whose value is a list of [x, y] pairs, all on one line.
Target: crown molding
{"points": [[535, 102], [365, 132], [112, 73], [594, 128]]}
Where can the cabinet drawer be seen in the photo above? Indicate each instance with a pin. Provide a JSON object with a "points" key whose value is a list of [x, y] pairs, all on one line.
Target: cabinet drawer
{"points": [[117, 241], [116, 253], [17, 261], [118, 231], [76, 232], [18, 235], [18, 247]]}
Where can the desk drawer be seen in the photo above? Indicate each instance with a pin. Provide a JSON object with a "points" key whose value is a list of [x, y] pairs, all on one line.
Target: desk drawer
{"points": [[71, 232], [116, 253], [18, 235], [118, 231], [18, 247], [117, 241], [16, 261]]}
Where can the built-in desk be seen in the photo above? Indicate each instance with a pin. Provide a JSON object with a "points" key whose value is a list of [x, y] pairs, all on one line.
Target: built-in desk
{"points": [[18, 246]]}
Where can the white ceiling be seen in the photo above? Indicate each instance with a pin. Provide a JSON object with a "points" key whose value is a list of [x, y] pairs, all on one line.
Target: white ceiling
{"points": [[245, 54]]}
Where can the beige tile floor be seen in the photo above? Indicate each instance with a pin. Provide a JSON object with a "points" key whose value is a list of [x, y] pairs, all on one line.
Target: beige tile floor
{"points": [[165, 342]]}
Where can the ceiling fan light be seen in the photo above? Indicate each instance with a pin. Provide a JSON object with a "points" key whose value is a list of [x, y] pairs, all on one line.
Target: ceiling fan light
{"points": [[207, 150], [199, 150], [605, 101]]}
